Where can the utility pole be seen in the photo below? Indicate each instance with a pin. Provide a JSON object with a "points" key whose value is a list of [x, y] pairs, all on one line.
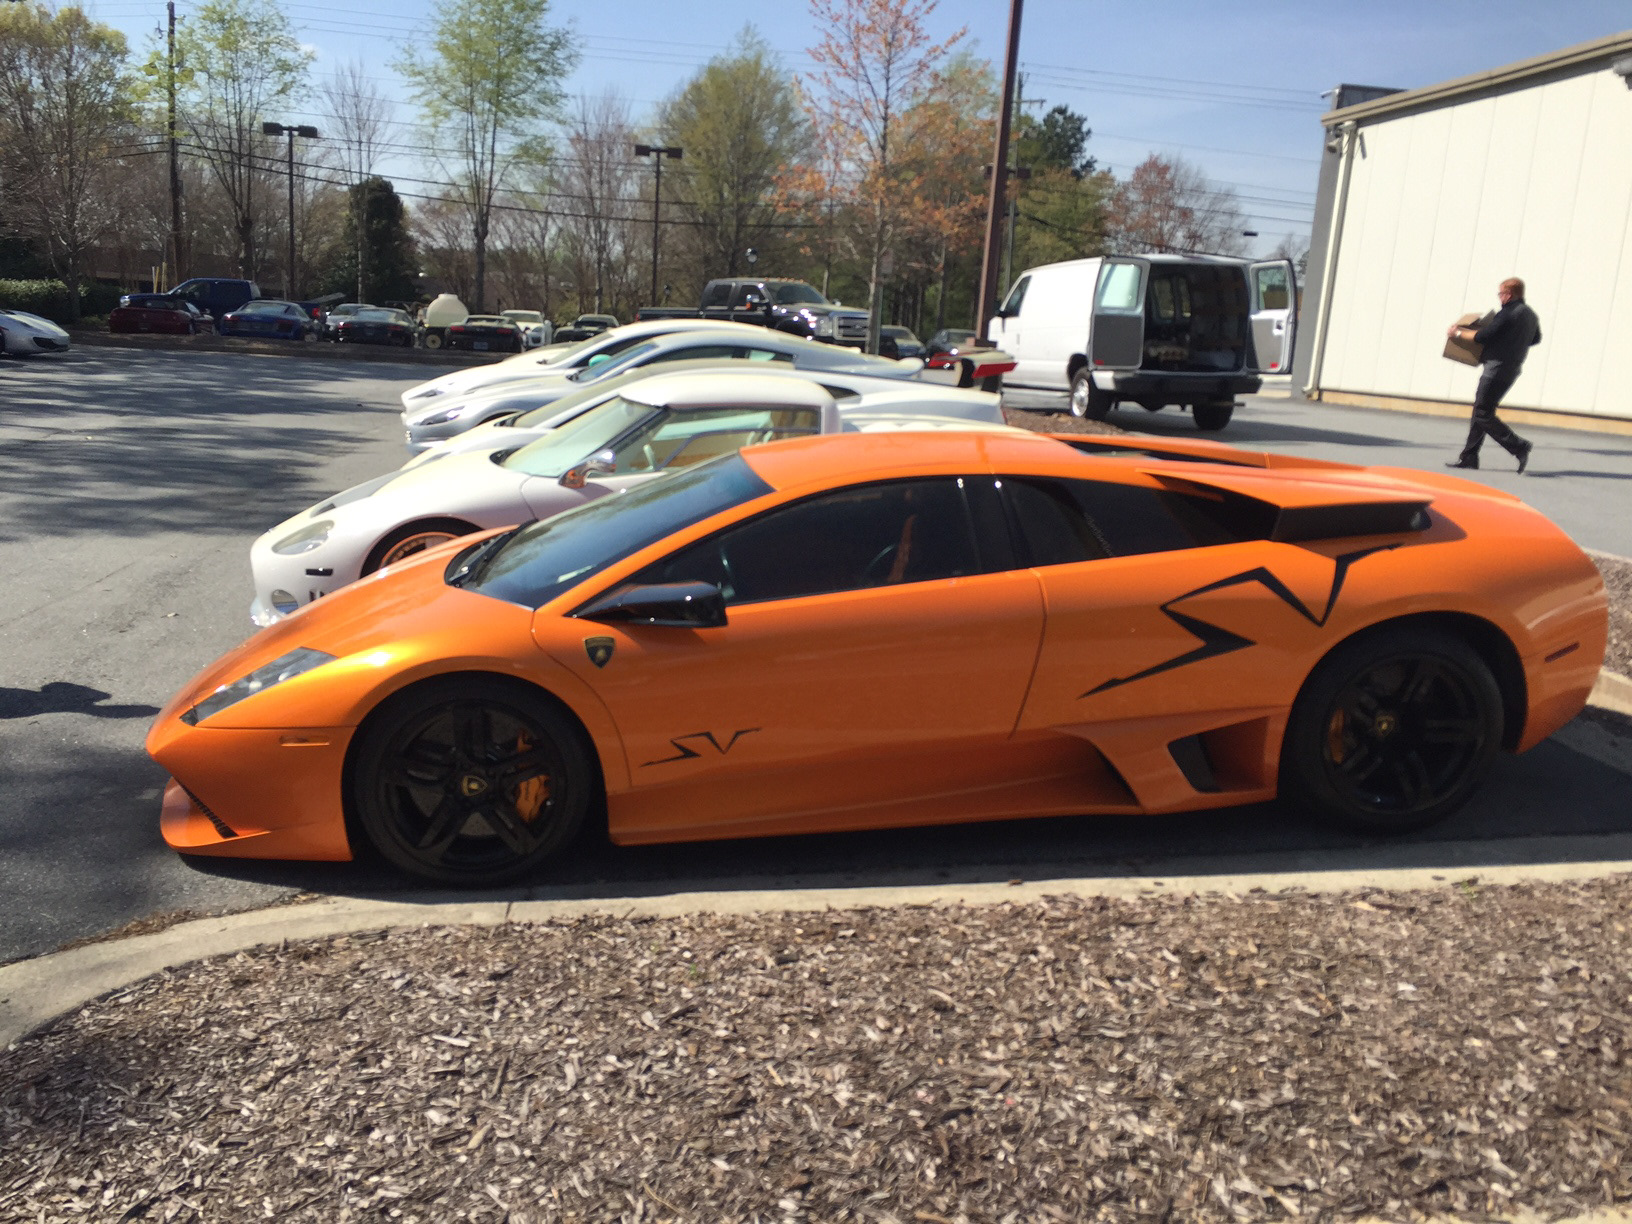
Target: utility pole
{"points": [[175, 160], [1000, 160], [291, 131], [657, 154]]}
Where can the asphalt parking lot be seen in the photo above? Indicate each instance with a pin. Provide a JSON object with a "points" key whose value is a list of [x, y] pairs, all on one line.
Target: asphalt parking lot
{"points": [[132, 482]]}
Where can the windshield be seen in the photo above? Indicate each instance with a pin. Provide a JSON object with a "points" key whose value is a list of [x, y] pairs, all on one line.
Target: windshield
{"points": [[794, 293], [377, 316], [544, 559], [612, 365], [579, 438], [262, 308], [524, 316]]}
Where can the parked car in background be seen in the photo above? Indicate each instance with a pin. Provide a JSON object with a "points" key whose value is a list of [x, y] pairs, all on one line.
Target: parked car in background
{"points": [[269, 318], [536, 330], [585, 326], [485, 333], [160, 313], [789, 306], [1190, 330], [950, 341], [28, 335], [215, 295], [377, 325], [344, 310], [899, 342]]}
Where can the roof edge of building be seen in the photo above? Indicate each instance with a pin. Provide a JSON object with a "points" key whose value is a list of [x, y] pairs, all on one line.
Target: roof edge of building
{"points": [[1448, 91]]}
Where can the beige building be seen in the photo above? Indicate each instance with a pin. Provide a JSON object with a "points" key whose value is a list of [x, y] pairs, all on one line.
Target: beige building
{"points": [[1430, 197]]}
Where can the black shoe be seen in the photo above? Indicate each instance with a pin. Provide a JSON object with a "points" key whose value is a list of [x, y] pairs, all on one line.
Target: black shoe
{"points": [[1524, 455], [1463, 463]]}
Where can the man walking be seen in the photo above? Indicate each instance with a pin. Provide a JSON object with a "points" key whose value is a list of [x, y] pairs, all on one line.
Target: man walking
{"points": [[1506, 339]]}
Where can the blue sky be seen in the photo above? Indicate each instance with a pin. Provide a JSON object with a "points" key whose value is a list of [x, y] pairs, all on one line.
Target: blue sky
{"points": [[1232, 87]]}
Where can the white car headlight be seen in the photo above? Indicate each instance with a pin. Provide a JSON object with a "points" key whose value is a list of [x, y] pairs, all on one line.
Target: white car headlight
{"points": [[307, 538], [440, 418], [285, 667], [427, 393]]}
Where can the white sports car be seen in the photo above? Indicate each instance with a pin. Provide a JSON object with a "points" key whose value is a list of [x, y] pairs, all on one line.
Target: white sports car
{"points": [[726, 343], [892, 395], [551, 359], [25, 335], [659, 425]]}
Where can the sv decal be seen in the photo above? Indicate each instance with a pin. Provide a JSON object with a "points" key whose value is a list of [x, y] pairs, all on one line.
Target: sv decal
{"points": [[686, 753], [1216, 640]]}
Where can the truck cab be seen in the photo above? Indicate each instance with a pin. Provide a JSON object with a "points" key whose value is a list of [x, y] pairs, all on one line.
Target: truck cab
{"points": [[790, 306], [1156, 330]]}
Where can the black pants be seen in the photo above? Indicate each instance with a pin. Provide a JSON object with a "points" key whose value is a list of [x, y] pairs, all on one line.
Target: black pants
{"points": [[1493, 384]]}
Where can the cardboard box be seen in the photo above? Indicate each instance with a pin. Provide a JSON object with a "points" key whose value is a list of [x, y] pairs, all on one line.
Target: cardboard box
{"points": [[1468, 352]]}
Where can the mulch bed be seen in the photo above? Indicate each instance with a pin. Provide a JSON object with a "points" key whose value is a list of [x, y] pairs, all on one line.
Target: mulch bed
{"points": [[1617, 574], [1171, 1058]]}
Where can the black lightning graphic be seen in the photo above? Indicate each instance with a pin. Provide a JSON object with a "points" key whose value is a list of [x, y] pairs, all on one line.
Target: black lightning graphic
{"points": [[686, 754], [1217, 641]]}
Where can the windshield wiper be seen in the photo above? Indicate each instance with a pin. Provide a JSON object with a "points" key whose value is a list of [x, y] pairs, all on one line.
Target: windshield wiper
{"points": [[478, 557]]}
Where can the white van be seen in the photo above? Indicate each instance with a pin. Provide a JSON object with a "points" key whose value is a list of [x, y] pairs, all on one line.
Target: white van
{"points": [[1194, 330]]}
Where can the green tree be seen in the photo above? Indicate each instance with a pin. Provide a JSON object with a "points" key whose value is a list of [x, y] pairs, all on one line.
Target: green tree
{"points": [[739, 122], [241, 65], [489, 81], [64, 101], [1059, 141], [390, 256]]}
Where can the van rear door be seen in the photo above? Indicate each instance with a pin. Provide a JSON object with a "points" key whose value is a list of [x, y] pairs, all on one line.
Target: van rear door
{"points": [[1273, 285], [1117, 341]]}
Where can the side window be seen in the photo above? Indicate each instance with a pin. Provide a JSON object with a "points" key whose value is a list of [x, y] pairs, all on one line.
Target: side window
{"points": [[747, 295], [755, 354], [1121, 520], [681, 439], [712, 352], [1119, 289], [854, 539], [1011, 304], [716, 295]]}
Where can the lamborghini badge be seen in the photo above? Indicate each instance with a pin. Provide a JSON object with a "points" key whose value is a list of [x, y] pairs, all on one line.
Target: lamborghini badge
{"points": [[599, 650]]}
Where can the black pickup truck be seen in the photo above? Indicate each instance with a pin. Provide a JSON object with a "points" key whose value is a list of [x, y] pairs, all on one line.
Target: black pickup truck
{"points": [[786, 305]]}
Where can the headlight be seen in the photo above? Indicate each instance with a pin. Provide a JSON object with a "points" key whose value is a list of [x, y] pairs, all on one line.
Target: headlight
{"points": [[293, 664], [307, 538], [824, 325], [440, 418], [427, 393]]}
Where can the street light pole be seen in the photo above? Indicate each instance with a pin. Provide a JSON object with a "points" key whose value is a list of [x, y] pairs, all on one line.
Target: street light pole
{"points": [[1000, 157], [657, 154], [291, 131]]}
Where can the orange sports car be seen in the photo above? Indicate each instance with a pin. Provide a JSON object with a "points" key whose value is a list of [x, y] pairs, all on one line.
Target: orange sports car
{"points": [[864, 630]]}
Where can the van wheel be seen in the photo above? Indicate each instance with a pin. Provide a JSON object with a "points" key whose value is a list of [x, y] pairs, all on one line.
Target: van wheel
{"points": [[1089, 402], [1210, 418]]}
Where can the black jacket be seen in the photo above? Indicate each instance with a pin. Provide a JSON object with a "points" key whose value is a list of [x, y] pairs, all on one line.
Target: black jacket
{"points": [[1507, 337]]}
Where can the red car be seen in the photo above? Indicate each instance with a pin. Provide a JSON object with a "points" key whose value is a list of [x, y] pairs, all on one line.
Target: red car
{"points": [[159, 312]]}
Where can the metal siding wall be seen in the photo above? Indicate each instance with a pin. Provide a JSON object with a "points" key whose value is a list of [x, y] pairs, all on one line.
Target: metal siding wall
{"points": [[1445, 203]]}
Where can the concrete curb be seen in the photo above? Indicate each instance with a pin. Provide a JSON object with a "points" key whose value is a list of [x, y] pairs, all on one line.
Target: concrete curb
{"points": [[34, 992], [244, 347], [1612, 692]]}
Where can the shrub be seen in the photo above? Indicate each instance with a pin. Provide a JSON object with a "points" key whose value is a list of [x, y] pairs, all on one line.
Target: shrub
{"points": [[49, 298]]}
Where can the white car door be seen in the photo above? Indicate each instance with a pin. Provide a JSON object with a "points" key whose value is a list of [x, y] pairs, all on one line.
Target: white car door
{"points": [[1273, 285]]}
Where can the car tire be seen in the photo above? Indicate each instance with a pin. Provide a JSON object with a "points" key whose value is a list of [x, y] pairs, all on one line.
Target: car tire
{"points": [[471, 780], [1088, 402], [1392, 731], [413, 538], [433, 340], [1210, 418]]}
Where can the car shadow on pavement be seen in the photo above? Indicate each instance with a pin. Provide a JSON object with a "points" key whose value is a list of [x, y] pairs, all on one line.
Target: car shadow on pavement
{"points": [[1553, 804]]}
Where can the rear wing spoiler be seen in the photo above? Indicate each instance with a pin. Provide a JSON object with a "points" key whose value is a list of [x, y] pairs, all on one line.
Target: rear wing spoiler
{"points": [[1295, 510]]}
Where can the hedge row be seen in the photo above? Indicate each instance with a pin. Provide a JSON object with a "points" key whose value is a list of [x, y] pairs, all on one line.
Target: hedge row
{"points": [[49, 298]]}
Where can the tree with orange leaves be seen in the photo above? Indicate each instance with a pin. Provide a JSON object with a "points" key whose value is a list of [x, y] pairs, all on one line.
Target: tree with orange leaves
{"points": [[875, 63]]}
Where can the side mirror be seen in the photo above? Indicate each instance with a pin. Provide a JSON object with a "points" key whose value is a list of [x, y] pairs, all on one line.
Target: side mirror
{"points": [[677, 605], [601, 463]]}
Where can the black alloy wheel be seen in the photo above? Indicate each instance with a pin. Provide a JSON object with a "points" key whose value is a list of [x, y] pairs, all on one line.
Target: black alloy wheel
{"points": [[1394, 730], [471, 780]]}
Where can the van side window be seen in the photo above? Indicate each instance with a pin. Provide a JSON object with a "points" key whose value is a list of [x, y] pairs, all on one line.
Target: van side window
{"points": [[1011, 305], [1119, 289], [1269, 288]]}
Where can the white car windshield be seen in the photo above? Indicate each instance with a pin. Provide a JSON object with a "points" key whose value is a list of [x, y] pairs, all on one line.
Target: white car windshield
{"points": [[575, 441]]}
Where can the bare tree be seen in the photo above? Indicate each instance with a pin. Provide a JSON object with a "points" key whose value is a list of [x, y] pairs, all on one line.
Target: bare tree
{"points": [[1167, 204], [242, 63], [62, 105], [598, 190], [358, 115]]}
